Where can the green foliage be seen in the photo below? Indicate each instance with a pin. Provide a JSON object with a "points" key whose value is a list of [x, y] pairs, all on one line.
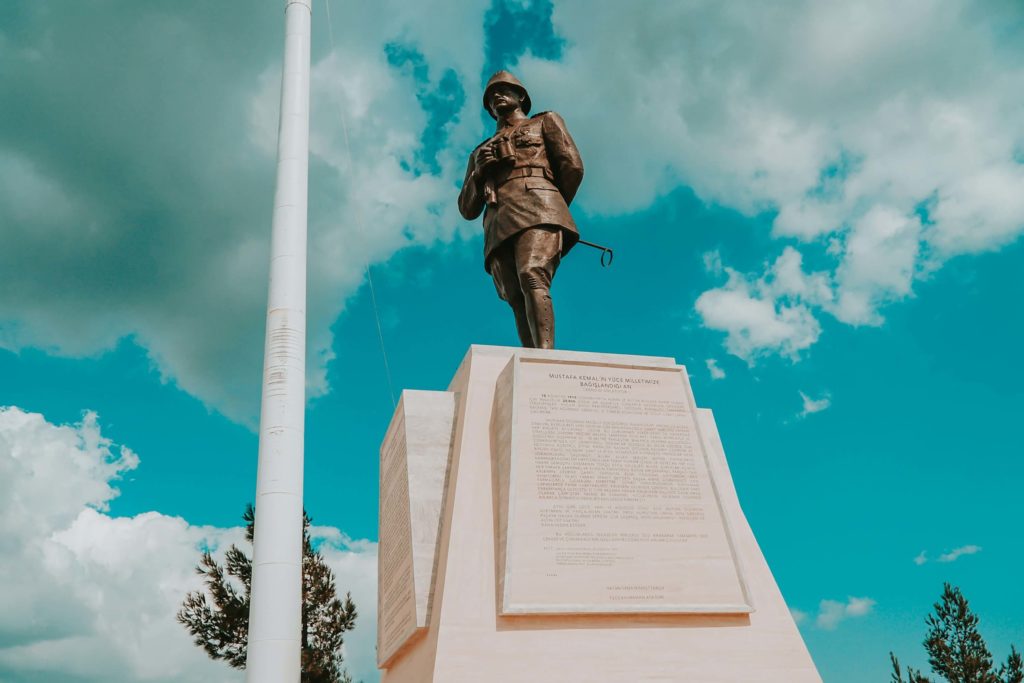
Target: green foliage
{"points": [[1013, 670], [218, 619], [956, 650], [913, 676]]}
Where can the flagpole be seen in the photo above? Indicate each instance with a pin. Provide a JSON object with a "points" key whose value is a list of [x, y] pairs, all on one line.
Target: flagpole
{"points": [[275, 609]]}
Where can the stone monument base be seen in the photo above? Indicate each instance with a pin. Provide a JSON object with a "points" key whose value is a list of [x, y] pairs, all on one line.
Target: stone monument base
{"points": [[558, 516]]}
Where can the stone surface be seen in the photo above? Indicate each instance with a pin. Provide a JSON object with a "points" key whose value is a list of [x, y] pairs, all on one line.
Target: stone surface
{"points": [[467, 639], [605, 502], [413, 464]]}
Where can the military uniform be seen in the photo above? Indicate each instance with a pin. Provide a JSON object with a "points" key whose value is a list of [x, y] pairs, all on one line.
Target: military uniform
{"points": [[527, 224]]}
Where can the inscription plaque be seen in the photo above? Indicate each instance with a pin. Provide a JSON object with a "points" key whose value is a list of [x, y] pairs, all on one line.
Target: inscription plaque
{"points": [[606, 499]]}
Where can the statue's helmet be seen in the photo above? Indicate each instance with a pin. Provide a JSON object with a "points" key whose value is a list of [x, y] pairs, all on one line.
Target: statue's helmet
{"points": [[505, 78]]}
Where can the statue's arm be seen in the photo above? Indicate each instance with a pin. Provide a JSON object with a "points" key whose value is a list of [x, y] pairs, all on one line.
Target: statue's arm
{"points": [[471, 199], [565, 159]]}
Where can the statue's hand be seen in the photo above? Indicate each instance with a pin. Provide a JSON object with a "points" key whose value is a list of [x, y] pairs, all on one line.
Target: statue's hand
{"points": [[485, 157]]}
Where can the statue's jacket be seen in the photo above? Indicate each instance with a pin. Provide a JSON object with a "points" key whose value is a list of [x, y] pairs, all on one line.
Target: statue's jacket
{"points": [[534, 190]]}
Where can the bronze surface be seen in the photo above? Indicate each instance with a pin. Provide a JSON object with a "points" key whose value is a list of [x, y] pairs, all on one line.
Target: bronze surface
{"points": [[523, 179]]}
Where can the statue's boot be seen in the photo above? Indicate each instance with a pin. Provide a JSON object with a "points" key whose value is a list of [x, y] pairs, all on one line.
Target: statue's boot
{"points": [[540, 313], [522, 322], [543, 320]]}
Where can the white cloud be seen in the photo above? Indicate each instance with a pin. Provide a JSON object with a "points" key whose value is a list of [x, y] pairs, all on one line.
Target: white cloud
{"points": [[92, 597], [767, 315], [713, 262], [799, 616], [376, 200], [951, 556], [812, 405], [851, 121], [354, 564], [713, 368], [832, 612], [878, 264], [956, 553], [165, 238]]}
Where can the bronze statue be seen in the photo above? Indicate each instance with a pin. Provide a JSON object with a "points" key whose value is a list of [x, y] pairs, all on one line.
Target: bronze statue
{"points": [[524, 178]]}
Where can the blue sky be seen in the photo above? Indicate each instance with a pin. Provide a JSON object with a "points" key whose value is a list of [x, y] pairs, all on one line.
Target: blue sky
{"points": [[816, 209]]}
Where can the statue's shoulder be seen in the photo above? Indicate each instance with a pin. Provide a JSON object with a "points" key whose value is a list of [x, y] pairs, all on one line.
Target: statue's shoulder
{"points": [[549, 118]]}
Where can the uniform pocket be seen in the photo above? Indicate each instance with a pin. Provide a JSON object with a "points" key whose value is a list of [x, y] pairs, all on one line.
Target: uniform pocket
{"points": [[528, 140], [540, 186]]}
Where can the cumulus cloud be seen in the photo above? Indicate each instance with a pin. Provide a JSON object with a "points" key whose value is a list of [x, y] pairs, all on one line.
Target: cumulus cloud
{"points": [[769, 314], [714, 370], [142, 188], [832, 612], [884, 139], [921, 558], [90, 597], [812, 405]]}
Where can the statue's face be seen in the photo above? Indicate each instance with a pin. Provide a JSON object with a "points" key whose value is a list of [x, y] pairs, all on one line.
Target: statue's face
{"points": [[504, 99]]}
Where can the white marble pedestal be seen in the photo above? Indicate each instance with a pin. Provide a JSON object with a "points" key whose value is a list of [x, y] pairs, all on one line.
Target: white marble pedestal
{"points": [[558, 516]]}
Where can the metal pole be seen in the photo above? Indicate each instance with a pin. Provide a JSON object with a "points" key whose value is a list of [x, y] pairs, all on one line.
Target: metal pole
{"points": [[275, 611]]}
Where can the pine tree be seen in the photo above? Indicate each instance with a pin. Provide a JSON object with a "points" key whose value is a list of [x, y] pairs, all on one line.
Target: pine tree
{"points": [[956, 650], [218, 619], [913, 676], [1013, 670]]}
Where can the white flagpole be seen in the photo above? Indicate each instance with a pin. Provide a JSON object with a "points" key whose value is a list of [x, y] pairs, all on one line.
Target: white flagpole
{"points": [[275, 611]]}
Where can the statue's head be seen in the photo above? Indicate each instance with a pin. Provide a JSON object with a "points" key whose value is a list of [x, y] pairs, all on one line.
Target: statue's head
{"points": [[504, 93]]}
